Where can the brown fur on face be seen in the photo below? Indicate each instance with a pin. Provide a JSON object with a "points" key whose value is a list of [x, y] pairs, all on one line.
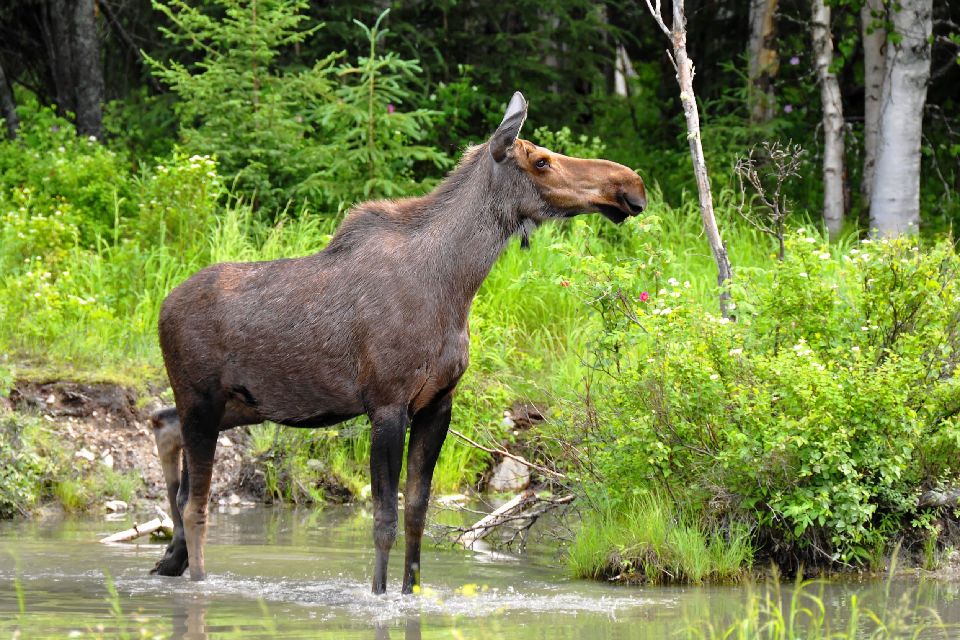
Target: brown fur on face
{"points": [[576, 185]]}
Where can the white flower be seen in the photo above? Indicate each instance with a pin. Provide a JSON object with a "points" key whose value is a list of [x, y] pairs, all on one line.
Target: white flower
{"points": [[810, 240], [736, 352], [802, 274], [92, 138], [824, 256], [665, 311], [686, 284], [673, 282], [864, 328], [855, 349], [714, 376]]}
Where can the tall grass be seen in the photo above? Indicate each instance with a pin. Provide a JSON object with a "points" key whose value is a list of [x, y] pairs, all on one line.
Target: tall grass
{"points": [[802, 614], [649, 540]]}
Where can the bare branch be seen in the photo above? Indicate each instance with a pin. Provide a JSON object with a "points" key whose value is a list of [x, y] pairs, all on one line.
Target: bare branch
{"points": [[503, 452], [655, 12]]}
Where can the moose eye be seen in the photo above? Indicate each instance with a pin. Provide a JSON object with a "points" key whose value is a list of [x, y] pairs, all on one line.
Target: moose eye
{"points": [[541, 163]]}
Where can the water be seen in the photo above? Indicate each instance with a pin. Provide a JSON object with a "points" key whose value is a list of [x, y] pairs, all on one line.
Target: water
{"points": [[286, 573]]}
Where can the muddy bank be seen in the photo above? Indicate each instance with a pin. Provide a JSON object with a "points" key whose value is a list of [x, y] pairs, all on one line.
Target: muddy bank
{"points": [[109, 424]]}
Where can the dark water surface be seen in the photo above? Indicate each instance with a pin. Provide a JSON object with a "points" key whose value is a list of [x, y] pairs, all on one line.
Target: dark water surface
{"points": [[280, 572]]}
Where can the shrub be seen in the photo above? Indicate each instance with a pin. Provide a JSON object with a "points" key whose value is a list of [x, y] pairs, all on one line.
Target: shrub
{"points": [[817, 417]]}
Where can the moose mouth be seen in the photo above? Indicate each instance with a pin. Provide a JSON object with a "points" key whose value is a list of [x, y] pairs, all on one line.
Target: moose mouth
{"points": [[625, 209]]}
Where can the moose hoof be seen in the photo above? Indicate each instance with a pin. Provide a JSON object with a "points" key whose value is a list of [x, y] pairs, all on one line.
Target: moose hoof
{"points": [[174, 561]]}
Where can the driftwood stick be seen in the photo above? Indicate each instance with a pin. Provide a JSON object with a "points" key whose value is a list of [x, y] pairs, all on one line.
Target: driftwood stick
{"points": [[486, 524], [507, 454], [139, 530]]}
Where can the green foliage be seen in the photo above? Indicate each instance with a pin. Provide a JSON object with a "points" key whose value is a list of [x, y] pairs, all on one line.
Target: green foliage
{"points": [[375, 146], [818, 416], [25, 465], [238, 103], [78, 185]]}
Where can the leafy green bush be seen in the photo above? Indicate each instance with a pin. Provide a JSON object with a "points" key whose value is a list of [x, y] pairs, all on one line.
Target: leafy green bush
{"points": [[55, 170], [817, 417], [26, 465]]}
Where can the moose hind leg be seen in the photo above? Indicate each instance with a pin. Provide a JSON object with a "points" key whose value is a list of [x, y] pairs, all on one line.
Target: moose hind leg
{"points": [[427, 433], [386, 458], [200, 430], [166, 431]]}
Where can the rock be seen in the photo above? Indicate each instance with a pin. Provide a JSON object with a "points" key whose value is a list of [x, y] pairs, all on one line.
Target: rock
{"points": [[224, 441], [451, 499], [510, 475], [86, 454], [107, 460], [115, 506]]}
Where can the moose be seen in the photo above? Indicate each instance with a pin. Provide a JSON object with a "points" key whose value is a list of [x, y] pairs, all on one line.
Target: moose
{"points": [[375, 324]]}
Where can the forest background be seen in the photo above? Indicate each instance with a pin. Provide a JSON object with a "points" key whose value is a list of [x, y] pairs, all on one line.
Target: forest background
{"points": [[815, 421]]}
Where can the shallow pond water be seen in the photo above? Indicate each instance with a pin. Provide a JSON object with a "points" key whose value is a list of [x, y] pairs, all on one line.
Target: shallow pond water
{"points": [[298, 573]]}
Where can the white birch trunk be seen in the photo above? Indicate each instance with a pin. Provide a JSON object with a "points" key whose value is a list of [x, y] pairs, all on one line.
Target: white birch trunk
{"points": [[874, 40], [895, 201], [832, 119], [623, 71], [763, 59]]}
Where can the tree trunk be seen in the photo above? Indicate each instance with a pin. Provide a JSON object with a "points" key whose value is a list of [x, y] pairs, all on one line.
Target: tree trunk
{"points": [[8, 108], [88, 71], [57, 30], [874, 39], [688, 99], [764, 61], [895, 199], [833, 173]]}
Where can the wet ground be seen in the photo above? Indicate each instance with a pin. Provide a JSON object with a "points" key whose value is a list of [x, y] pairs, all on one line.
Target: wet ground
{"points": [[285, 573]]}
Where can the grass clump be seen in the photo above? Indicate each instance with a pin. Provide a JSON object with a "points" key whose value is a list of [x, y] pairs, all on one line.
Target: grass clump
{"points": [[646, 539]]}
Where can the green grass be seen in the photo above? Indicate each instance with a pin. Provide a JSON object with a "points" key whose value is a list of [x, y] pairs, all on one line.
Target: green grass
{"points": [[93, 312], [649, 540], [803, 614]]}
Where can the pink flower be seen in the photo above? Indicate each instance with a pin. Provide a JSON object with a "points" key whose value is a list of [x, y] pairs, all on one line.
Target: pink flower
{"points": [[390, 107], [644, 296], [788, 108], [795, 60]]}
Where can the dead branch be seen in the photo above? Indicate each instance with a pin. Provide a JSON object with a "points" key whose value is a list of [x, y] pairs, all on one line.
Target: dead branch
{"points": [[526, 508], [503, 452]]}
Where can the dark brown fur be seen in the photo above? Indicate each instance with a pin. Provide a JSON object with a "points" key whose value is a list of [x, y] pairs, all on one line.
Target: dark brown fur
{"points": [[374, 324]]}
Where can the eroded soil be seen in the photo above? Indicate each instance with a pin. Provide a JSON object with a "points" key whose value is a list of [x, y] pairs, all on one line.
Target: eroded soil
{"points": [[109, 424]]}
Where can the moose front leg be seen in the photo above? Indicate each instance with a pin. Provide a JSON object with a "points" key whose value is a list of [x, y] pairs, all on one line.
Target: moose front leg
{"points": [[386, 458], [427, 433]]}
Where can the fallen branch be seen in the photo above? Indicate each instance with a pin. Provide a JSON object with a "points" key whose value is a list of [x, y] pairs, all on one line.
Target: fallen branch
{"points": [[160, 523], [507, 454], [526, 507]]}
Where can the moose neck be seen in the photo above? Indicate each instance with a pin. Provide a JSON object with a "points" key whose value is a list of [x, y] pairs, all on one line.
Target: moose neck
{"points": [[474, 217]]}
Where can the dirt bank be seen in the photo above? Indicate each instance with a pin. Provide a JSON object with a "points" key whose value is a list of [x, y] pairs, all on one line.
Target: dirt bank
{"points": [[110, 424]]}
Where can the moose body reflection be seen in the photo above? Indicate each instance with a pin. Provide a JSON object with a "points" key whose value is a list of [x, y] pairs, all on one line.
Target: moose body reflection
{"points": [[374, 324]]}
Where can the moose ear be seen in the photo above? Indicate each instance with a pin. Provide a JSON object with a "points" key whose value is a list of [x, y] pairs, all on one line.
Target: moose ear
{"points": [[509, 129]]}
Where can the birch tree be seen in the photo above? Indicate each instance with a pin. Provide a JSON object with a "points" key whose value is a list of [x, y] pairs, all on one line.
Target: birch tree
{"points": [[874, 38], [895, 197], [764, 61], [832, 118], [684, 66]]}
